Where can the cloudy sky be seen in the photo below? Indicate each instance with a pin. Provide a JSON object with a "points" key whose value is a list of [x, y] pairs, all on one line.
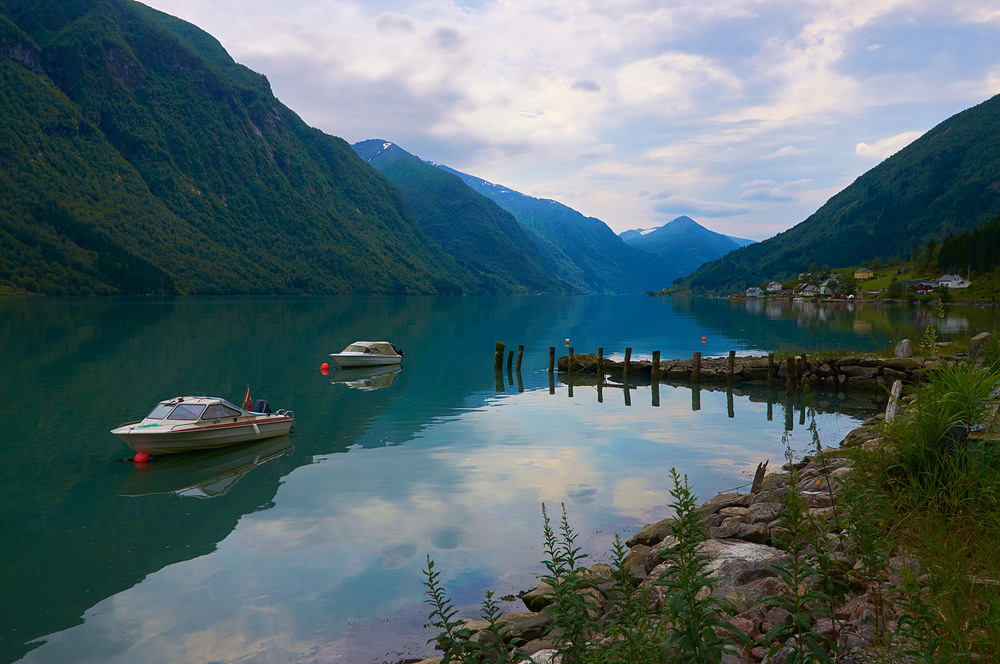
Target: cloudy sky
{"points": [[746, 115]]}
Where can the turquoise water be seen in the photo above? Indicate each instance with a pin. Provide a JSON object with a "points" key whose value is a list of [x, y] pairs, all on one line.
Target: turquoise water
{"points": [[310, 548]]}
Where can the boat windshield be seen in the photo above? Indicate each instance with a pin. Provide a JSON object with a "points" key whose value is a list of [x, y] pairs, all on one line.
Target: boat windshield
{"points": [[219, 410], [358, 349], [160, 411], [186, 411]]}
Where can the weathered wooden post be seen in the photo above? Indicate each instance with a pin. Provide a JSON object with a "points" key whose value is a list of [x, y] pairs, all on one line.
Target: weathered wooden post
{"points": [[695, 396], [552, 358], [729, 403], [628, 395], [656, 394], [730, 377], [803, 370], [770, 408], [625, 367], [520, 354], [654, 374], [600, 361], [552, 382], [790, 378], [770, 370], [510, 360], [758, 477], [498, 357], [600, 389], [696, 369], [570, 359]]}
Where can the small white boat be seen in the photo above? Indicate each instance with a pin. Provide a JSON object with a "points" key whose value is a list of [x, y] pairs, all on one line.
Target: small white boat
{"points": [[182, 424], [368, 354]]}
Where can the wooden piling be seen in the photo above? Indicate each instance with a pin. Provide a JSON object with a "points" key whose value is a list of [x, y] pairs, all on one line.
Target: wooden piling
{"points": [[654, 374], [790, 378], [770, 370], [570, 358], [730, 377], [696, 370], [520, 354], [625, 367], [730, 410], [498, 357], [600, 361], [510, 360], [552, 358]]}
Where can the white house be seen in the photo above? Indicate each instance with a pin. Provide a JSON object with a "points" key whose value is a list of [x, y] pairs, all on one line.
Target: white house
{"points": [[755, 291], [773, 286], [953, 281]]}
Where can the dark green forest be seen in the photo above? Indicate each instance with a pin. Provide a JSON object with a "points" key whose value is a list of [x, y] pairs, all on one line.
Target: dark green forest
{"points": [[140, 158], [944, 183]]}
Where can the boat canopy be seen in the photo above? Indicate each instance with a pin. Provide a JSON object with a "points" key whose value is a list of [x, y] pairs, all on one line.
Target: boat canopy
{"points": [[371, 348]]}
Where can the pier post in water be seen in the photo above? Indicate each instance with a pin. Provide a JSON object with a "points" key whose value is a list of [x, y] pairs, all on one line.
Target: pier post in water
{"points": [[696, 370], [628, 359], [552, 358], [600, 361], [654, 374], [731, 367], [520, 354], [498, 357], [510, 360], [570, 359], [770, 370], [790, 378]]}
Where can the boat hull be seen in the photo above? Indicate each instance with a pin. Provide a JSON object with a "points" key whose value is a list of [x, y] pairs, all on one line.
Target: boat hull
{"points": [[166, 439], [364, 359]]}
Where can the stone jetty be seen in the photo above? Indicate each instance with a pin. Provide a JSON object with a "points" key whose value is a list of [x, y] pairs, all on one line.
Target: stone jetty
{"points": [[847, 373]]}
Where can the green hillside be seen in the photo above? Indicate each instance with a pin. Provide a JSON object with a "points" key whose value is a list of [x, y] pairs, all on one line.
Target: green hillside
{"points": [[470, 227], [139, 158], [946, 182]]}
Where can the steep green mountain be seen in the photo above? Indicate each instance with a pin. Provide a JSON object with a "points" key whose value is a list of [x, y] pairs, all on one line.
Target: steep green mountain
{"points": [[683, 244], [978, 249], [945, 182], [138, 157], [469, 226], [582, 251]]}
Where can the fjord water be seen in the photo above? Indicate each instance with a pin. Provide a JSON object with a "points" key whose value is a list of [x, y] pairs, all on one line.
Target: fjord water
{"points": [[310, 547]]}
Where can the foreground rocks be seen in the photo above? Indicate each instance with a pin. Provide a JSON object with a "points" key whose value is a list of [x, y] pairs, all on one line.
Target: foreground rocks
{"points": [[745, 556]]}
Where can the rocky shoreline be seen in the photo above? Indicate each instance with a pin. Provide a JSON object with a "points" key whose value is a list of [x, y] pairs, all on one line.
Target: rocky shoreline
{"points": [[739, 529]]}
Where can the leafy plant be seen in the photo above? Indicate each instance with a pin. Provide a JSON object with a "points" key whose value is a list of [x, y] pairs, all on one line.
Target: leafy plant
{"points": [[697, 633]]}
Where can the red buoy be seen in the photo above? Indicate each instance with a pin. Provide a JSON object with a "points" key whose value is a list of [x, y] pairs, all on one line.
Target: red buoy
{"points": [[324, 368], [140, 457], [703, 339]]}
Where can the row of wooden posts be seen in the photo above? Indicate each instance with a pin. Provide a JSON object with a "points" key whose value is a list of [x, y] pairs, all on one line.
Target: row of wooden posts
{"points": [[796, 365]]}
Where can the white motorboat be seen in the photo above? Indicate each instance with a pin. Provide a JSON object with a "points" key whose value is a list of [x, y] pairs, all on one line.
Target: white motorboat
{"points": [[182, 424], [367, 354]]}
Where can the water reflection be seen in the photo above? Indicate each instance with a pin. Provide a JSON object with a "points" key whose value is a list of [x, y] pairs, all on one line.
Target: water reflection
{"points": [[202, 474], [366, 378]]}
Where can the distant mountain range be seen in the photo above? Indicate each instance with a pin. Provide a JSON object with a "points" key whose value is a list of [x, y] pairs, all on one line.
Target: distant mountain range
{"points": [[139, 158], [583, 251], [944, 183], [683, 244]]}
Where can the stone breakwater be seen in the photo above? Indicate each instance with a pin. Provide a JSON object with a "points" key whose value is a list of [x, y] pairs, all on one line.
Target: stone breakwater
{"points": [[848, 373], [745, 555]]}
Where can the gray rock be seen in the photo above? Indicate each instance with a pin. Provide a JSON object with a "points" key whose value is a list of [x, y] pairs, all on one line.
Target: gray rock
{"points": [[652, 533], [763, 512], [904, 349], [976, 344]]}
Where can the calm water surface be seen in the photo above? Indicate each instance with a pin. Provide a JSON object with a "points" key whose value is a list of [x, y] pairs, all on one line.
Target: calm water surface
{"points": [[309, 548]]}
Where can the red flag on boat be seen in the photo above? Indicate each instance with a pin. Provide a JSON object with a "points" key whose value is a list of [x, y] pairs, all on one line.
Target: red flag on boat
{"points": [[246, 400]]}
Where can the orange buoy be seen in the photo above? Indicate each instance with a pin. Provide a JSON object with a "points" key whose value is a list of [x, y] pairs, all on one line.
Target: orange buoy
{"points": [[324, 368], [704, 339]]}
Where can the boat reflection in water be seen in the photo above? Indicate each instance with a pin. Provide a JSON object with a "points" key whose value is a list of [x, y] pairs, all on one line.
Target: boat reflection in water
{"points": [[202, 474], [367, 378]]}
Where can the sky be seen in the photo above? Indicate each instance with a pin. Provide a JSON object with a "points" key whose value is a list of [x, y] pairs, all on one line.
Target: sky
{"points": [[745, 115]]}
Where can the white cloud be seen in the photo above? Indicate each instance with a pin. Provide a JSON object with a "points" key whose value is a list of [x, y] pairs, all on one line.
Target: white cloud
{"points": [[886, 147]]}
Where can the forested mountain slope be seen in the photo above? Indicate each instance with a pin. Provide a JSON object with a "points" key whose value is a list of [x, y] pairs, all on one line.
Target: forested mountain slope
{"points": [[469, 226], [138, 157], [945, 182], [683, 244]]}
